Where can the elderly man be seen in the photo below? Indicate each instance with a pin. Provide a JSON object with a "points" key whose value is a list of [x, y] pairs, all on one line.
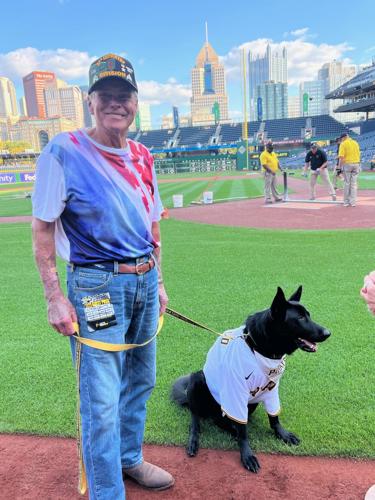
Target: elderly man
{"points": [[316, 160], [96, 203], [350, 163]]}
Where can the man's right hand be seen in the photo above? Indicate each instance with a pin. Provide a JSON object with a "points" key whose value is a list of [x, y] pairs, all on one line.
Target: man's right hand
{"points": [[61, 314]]}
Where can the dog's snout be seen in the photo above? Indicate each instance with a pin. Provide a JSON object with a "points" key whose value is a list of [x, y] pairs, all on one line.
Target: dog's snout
{"points": [[326, 333]]}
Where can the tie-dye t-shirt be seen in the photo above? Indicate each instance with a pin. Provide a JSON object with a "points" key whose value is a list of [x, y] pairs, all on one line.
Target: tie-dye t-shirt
{"points": [[102, 199]]}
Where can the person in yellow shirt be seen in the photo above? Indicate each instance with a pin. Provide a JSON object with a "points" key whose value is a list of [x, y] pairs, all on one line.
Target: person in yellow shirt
{"points": [[350, 163], [270, 164]]}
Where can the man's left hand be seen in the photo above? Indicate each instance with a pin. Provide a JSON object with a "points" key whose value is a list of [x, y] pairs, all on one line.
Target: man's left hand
{"points": [[368, 291], [163, 298]]}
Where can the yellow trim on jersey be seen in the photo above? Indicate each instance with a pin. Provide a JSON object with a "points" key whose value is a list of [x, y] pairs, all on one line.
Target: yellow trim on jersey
{"points": [[232, 418], [275, 414]]}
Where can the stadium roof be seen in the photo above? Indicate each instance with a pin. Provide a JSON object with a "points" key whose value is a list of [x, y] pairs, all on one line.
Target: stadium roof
{"points": [[359, 84], [362, 105]]}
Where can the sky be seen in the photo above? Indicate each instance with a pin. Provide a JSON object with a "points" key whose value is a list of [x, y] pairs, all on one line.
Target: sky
{"points": [[162, 39]]}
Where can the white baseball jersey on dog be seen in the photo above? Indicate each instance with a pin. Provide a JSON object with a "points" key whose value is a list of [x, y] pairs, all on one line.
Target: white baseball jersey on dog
{"points": [[236, 376]]}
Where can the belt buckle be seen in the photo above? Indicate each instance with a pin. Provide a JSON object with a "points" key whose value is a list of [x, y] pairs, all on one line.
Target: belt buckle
{"points": [[138, 271]]}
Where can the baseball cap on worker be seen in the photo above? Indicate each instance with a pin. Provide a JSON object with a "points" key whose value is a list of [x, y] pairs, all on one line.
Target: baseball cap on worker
{"points": [[313, 145], [111, 66]]}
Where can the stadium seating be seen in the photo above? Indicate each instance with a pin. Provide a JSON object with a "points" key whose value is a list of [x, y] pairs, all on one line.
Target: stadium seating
{"points": [[156, 138], [277, 130], [195, 136], [364, 126], [230, 133], [366, 143]]}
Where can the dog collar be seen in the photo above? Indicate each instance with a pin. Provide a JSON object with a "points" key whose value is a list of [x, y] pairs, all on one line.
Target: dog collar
{"points": [[252, 344]]}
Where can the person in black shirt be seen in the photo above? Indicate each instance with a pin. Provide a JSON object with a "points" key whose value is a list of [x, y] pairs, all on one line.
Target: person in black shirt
{"points": [[316, 160]]}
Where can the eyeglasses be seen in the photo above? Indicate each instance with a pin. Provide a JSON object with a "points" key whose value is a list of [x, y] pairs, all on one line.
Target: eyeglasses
{"points": [[107, 97]]}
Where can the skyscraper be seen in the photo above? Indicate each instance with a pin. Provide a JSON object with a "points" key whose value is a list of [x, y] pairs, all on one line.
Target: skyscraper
{"points": [[22, 106], [312, 98], [272, 100], [333, 75], [8, 99], [272, 67], [293, 106], [209, 102], [142, 120], [65, 101], [34, 84], [87, 119]]}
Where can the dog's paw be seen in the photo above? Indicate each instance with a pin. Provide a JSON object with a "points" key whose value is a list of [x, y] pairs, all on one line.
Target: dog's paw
{"points": [[192, 447], [250, 462], [288, 437]]}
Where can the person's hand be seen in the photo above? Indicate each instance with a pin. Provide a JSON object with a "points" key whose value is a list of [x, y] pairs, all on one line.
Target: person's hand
{"points": [[163, 299], [61, 314], [368, 291]]}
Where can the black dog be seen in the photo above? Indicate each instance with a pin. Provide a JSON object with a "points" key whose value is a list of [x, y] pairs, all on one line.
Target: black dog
{"points": [[243, 368]]}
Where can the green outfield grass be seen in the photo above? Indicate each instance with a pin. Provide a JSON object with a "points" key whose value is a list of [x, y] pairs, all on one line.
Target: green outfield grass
{"points": [[217, 275], [246, 186], [13, 199], [190, 175]]}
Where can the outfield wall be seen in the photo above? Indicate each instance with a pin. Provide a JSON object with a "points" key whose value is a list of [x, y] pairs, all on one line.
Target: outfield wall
{"points": [[13, 177]]}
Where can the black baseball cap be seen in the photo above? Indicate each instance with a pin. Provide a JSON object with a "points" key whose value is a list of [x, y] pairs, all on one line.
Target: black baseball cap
{"points": [[111, 66], [313, 145]]}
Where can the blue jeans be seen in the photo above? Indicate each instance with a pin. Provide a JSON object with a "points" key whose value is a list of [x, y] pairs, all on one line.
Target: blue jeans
{"points": [[115, 386]]}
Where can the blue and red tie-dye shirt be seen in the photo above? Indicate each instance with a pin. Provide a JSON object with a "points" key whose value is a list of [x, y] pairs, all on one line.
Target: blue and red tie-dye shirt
{"points": [[103, 200]]}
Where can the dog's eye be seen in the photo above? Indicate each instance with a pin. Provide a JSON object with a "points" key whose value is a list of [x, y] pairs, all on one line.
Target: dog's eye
{"points": [[302, 318]]}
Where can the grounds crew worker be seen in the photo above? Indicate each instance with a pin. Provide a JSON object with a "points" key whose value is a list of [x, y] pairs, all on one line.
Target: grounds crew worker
{"points": [[350, 163], [96, 203], [270, 163], [316, 160], [337, 172]]}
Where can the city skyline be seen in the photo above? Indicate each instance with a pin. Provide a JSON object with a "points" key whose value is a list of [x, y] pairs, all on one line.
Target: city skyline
{"points": [[162, 43]]}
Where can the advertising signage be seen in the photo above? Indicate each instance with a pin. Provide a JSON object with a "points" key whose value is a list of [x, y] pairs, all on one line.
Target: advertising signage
{"points": [[27, 176], [7, 178]]}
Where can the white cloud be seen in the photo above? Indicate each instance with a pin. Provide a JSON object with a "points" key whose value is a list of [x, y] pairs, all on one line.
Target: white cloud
{"points": [[73, 65], [299, 32], [304, 58], [171, 92], [67, 64]]}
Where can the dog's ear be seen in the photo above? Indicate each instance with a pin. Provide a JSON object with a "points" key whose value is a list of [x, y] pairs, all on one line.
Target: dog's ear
{"points": [[296, 296], [278, 306]]}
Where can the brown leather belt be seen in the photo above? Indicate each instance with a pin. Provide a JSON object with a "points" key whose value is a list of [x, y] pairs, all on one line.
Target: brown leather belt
{"points": [[122, 267], [142, 268]]}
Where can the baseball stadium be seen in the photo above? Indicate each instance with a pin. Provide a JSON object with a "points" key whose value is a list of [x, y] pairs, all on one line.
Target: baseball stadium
{"points": [[224, 255]]}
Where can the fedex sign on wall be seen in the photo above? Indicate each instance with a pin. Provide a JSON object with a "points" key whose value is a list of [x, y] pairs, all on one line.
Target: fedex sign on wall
{"points": [[27, 177]]}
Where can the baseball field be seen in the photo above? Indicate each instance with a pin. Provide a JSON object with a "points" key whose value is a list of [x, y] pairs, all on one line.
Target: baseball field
{"points": [[217, 274]]}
